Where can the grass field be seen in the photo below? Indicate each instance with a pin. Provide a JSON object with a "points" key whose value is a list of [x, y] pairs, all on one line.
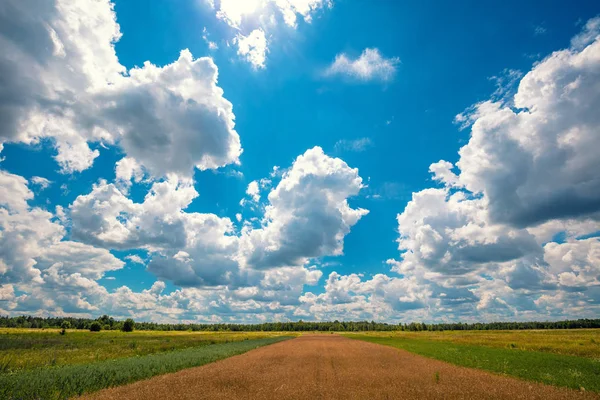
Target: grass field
{"points": [[575, 342], [25, 349], [561, 358], [71, 380]]}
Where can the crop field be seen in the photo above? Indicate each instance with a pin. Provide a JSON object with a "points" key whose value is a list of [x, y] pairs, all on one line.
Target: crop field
{"points": [[24, 349], [42, 364], [61, 382], [561, 357], [574, 342]]}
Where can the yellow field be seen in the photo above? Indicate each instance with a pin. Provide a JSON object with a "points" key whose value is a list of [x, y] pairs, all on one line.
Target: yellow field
{"points": [[576, 342], [33, 348]]}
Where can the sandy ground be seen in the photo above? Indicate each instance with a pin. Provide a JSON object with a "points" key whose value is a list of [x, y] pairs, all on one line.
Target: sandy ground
{"points": [[333, 367]]}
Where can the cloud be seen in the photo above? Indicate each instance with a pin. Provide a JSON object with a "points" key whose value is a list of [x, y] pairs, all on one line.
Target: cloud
{"points": [[49, 271], [356, 145], [185, 120], [370, 66], [486, 241], [204, 250], [308, 213], [259, 17], [253, 48], [253, 191], [233, 12], [71, 88], [539, 30], [211, 45], [107, 218], [127, 170], [42, 183], [349, 297], [535, 163], [134, 258]]}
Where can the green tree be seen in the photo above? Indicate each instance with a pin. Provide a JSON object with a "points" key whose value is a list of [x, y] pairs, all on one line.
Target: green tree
{"points": [[64, 326], [95, 327], [128, 325]]}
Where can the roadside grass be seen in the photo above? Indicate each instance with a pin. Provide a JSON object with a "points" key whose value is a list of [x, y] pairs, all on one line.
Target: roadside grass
{"points": [[25, 349], [74, 380], [549, 368], [574, 342]]}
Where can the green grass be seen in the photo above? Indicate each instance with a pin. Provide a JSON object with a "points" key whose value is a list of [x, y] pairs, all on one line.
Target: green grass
{"points": [[26, 349], [574, 342], [72, 380], [545, 367]]}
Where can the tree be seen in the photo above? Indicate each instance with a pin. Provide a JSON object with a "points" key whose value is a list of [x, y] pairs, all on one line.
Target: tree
{"points": [[128, 325], [95, 327], [64, 326]]}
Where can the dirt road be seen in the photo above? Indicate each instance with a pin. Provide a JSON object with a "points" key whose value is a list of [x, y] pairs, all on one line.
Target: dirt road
{"points": [[333, 367]]}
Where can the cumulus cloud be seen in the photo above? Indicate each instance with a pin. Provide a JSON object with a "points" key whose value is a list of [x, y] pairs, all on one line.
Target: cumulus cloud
{"points": [[484, 245], [308, 213], [71, 88], [234, 11], [253, 191], [350, 297], [253, 48], [370, 66], [134, 258], [36, 259], [538, 162]]}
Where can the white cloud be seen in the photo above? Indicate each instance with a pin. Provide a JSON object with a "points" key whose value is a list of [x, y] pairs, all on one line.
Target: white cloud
{"points": [[14, 193], [253, 47], [126, 170], [348, 297], [253, 191], [134, 258], [42, 183], [211, 45], [370, 66], [174, 118], [70, 87], [538, 163], [356, 145], [35, 259], [485, 241], [308, 213], [233, 12]]}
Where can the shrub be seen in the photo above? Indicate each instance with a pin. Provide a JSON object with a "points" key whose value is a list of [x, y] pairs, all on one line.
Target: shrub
{"points": [[64, 326], [128, 325], [95, 327]]}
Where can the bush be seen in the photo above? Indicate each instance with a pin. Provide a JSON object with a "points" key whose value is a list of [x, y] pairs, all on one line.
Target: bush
{"points": [[95, 327], [64, 326], [128, 325]]}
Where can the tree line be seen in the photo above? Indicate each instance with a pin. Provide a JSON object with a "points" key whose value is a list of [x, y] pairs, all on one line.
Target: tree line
{"points": [[109, 323]]}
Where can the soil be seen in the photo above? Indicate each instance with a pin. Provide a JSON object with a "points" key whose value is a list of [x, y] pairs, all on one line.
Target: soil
{"points": [[333, 367]]}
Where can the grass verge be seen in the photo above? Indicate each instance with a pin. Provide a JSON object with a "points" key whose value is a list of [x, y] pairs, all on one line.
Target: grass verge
{"points": [[73, 380], [553, 369]]}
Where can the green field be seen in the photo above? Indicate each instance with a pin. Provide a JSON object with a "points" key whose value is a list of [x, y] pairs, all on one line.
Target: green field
{"points": [[562, 358], [25, 349], [62, 382]]}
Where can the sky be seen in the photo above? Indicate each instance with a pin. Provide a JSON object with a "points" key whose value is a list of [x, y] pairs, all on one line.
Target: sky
{"points": [[273, 160]]}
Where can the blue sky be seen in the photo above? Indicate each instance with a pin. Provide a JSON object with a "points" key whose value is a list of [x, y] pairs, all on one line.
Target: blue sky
{"points": [[252, 160]]}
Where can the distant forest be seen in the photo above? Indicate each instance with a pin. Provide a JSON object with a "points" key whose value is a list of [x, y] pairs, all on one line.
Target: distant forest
{"points": [[109, 323]]}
